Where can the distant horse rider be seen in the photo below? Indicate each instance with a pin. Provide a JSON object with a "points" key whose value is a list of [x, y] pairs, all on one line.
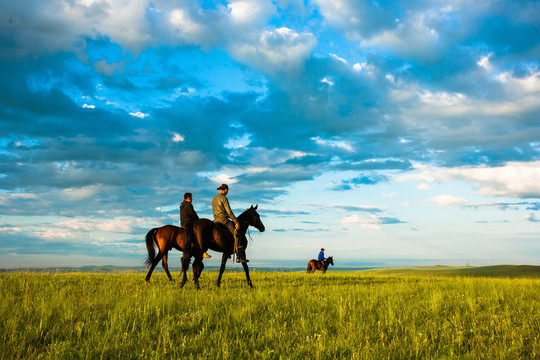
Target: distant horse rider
{"points": [[321, 257], [224, 215], [188, 217]]}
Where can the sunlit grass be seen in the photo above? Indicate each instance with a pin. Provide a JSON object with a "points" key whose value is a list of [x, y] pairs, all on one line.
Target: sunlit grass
{"points": [[350, 315]]}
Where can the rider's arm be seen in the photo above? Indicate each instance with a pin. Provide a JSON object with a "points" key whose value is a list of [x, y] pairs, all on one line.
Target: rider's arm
{"points": [[227, 208]]}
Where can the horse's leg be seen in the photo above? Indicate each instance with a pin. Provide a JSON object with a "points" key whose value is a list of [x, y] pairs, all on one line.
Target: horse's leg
{"points": [[166, 266], [185, 267], [246, 270], [154, 264], [224, 259], [198, 267]]}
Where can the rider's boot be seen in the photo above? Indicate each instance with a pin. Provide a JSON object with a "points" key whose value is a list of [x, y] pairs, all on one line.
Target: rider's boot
{"points": [[241, 255]]}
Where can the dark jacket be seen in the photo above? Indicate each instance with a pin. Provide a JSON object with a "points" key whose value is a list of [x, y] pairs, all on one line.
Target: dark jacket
{"points": [[187, 214]]}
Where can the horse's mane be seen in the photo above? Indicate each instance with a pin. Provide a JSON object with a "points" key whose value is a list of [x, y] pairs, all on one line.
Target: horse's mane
{"points": [[243, 215]]}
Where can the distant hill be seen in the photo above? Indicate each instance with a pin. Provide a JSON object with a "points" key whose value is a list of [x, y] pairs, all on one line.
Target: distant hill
{"points": [[510, 271]]}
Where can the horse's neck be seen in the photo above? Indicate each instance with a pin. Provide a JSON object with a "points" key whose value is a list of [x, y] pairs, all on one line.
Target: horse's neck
{"points": [[243, 228]]}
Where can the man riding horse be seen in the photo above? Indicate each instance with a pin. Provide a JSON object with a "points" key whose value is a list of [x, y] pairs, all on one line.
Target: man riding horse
{"points": [[224, 215], [321, 257], [188, 216]]}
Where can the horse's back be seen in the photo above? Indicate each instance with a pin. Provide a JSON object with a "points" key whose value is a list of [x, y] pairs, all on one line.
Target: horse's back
{"points": [[222, 239], [171, 235], [213, 235]]}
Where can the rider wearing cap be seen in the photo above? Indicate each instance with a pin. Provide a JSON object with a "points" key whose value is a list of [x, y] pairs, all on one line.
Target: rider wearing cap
{"points": [[224, 215]]}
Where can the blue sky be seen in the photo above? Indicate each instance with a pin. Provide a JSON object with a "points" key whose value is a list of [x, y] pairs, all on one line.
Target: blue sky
{"points": [[390, 133]]}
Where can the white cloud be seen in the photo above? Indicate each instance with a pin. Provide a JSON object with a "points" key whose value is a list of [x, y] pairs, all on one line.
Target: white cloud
{"points": [[522, 85], [327, 81], [423, 186], [178, 137], [341, 144], [82, 193], [5, 197], [448, 200], [186, 28], [224, 179], [372, 223], [484, 62], [139, 114], [514, 179], [338, 58], [441, 99], [86, 106], [276, 50], [249, 11]]}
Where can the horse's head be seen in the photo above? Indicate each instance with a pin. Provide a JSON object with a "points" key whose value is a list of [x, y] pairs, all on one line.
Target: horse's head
{"points": [[251, 217], [330, 260]]}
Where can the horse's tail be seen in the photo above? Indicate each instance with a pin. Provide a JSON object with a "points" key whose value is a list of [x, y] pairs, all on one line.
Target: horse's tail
{"points": [[308, 267], [150, 240]]}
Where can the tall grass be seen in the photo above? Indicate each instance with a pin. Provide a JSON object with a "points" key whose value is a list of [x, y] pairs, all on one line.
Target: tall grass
{"points": [[349, 315]]}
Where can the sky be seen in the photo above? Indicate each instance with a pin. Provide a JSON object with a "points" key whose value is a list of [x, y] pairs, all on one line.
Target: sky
{"points": [[391, 133]]}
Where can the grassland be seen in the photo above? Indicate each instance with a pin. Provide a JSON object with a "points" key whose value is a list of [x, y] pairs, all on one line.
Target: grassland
{"points": [[347, 315]]}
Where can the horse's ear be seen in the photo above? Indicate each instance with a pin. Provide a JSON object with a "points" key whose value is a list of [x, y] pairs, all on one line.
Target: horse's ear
{"points": [[256, 206]]}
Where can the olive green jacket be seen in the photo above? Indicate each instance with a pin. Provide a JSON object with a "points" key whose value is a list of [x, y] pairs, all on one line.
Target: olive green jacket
{"points": [[222, 209]]}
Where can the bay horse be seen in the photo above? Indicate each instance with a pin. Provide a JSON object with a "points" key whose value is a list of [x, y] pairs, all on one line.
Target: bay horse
{"points": [[165, 238], [314, 265], [216, 236]]}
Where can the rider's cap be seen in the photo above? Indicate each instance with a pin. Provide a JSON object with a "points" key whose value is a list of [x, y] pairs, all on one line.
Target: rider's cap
{"points": [[223, 187], [322, 249]]}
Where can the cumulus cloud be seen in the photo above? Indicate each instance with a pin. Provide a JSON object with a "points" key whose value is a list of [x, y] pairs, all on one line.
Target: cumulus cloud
{"points": [[514, 179], [276, 51], [224, 179], [139, 114], [372, 223], [106, 103], [448, 200], [178, 137], [249, 11]]}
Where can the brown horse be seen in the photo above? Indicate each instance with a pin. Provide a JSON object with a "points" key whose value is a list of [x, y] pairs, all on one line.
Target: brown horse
{"points": [[165, 238], [314, 265], [217, 237]]}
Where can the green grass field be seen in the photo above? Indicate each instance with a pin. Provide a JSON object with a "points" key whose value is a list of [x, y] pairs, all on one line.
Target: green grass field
{"points": [[346, 315]]}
